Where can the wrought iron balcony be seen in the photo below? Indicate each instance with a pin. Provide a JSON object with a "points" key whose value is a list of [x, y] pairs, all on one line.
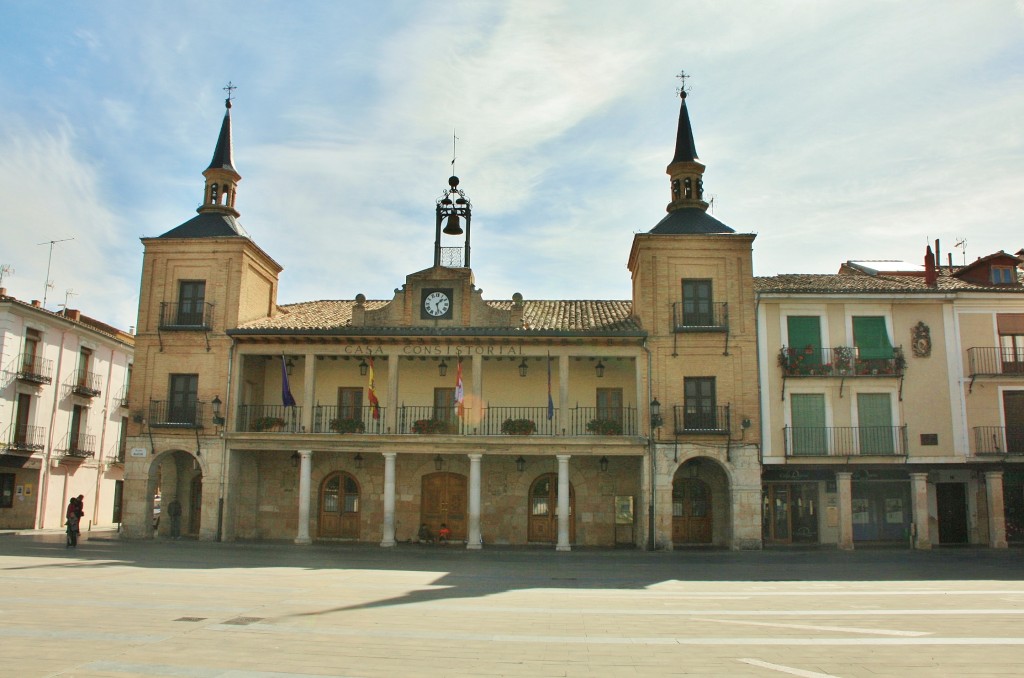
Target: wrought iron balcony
{"points": [[25, 439], [842, 441], [82, 446], [165, 414], [712, 420], [999, 439], [329, 419], [992, 361], [712, 317], [34, 369], [122, 398], [185, 316], [841, 361], [86, 384], [269, 419], [603, 421]]}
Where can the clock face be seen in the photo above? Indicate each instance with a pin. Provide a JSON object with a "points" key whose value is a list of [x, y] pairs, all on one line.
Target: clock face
{"points": [[437, 304]]}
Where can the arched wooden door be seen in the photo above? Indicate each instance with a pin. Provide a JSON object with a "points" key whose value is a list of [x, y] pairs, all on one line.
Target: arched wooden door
{"points": [[443, 500], [543, 510], [691, 511], [339, 507]]}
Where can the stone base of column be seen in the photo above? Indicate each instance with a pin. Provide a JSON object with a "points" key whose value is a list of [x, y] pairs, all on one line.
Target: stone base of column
{"points": [[303, 541], [388, 543], [563, 547], [474, 547], [845, 547]]}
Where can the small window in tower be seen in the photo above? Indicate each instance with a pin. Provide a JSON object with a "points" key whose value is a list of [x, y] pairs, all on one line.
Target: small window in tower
{"points": [[688, 185], [214, 194]]}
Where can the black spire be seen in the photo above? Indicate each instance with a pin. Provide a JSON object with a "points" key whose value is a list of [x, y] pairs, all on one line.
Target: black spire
{"points": [[222, 153], [686, 151]]}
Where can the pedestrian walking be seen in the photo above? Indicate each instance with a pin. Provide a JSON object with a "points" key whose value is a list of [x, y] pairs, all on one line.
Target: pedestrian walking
{"points": [[74, 519], [174, 511]]}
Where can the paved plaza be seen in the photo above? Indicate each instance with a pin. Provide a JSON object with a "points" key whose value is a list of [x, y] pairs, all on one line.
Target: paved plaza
{"points": [[207, 610]]}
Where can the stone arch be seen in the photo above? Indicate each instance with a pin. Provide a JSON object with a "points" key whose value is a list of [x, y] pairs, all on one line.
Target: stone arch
{"points": [[174, 474], [701, 503]]}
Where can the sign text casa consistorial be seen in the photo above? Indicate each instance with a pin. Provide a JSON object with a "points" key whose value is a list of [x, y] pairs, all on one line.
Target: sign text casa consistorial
{"points": [[454, 350]]}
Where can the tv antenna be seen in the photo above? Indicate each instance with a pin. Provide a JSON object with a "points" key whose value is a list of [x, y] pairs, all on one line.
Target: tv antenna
{"points": [[68, 293], [961, 244], [49, 259], [5, 269]]}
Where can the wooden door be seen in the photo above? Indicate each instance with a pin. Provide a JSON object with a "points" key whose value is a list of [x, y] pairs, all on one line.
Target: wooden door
{"points": [[443, 500], [543, 510], [609, 404], [952, 504], [691, 511], [339, 507], [1013, 415], [21, 435]]}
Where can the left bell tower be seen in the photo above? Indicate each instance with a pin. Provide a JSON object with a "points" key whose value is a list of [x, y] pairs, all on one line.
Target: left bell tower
{"points": [[221, 177]]}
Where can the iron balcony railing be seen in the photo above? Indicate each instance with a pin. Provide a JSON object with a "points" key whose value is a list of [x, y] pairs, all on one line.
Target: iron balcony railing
{"points": [[696, 420], [81, 446], [519, 421], [34, 369], [25, 438], [269, 419], [186, 316], [620, 421], [122, 398], [167, 414], [831, 441], [999, 439], [711, 317], [995, 360], [362, 419], [116, 453], [841, 361], [85, 383]]}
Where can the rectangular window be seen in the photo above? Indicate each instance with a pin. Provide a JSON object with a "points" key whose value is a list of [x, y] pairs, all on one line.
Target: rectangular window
{"points": [[84, 365], [804, 333], [6, 490], [807, 416], [31, 352], [350, 403], [182, 399], [1013, 416], [77, 426], [699, 411], [698, 310], [122, 440], [871, 338], [444, 404], [1011, 342], [191, 302], [1003, 275], [609, 404], [874, 423], [21, 419]]}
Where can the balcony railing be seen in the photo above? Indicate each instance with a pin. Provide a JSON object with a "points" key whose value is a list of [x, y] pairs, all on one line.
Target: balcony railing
{"points": [[831, 441], [329, 419], [841, 361], [165, 414], [994, 361], [34, 369], [519, 421], [269, 419], [607, 421], [86, 384], [81, 446], [122, 398], [999, 439], [187, 316], [712, 317], [25, 439], [116, 453], [713, 420]]}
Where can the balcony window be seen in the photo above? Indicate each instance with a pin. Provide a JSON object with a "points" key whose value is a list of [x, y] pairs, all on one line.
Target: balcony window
{"points": [[700, 413], [874, 416], [191, 302], [871, 339], [807, 414], [698, 312]]}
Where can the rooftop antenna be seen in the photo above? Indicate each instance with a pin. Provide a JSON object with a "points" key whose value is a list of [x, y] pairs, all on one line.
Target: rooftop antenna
{"points": [[454, 139], [962, 245], [68, 293], [5, 269], [711, 204], [49, 259]]}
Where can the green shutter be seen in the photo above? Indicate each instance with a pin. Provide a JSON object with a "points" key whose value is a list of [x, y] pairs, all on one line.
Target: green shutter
{"points": [[874, 419], [871, 339], [808, 419], [805, 331]]}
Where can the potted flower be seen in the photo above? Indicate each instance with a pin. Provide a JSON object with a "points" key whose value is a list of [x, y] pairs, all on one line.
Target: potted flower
{"points": [[604, 427], [518, 427], [350, 425], [267, 424], [432, 426]]}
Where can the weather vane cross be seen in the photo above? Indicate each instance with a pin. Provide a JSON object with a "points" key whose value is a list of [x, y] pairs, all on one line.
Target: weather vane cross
{"points": [[230, 89], [682, 89]]}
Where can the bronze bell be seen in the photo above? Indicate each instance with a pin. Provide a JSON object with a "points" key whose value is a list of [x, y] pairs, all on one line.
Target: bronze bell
{"points": [[453, 227]]}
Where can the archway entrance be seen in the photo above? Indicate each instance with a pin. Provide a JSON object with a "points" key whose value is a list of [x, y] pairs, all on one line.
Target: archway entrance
{"points": [[175, 475], [443, 500], [339, 507], [701, 504], [543, 510]]}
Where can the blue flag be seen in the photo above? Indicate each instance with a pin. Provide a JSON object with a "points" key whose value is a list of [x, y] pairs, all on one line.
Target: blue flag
{"points": [[551, 404], [287, 399]]}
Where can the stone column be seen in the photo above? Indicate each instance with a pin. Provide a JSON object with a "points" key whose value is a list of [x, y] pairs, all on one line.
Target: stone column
{"points": [[475, 401], [391, 414], [388, 531], [308, 393], [919, 494], [563, 503], [845, 491], [305, 471], [996, 509], [563, 395], [474, 540]]}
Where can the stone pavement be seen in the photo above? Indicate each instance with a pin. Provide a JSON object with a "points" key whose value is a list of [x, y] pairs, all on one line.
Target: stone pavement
{"points": [[207, 610]]}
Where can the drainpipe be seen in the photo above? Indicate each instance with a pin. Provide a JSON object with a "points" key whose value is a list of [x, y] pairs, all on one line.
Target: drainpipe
{"points": [[223, 444], [44, 476], [652, 447], [103, 440]]}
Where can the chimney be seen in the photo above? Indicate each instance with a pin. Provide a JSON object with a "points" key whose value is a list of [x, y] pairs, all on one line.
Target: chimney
{"points": [[938, 254], [73, 314], [930, 275], [36, 303], [3, 291]]}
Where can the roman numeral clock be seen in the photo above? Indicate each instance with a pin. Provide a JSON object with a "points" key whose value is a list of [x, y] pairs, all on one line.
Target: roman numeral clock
{"points": [[436, 303]]}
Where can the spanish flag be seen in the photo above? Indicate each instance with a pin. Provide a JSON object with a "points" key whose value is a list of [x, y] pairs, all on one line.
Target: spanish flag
{"points": [[372, 395]]}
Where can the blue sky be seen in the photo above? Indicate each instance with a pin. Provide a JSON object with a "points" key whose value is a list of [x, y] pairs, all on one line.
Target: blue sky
{"points": [[832, 130]]}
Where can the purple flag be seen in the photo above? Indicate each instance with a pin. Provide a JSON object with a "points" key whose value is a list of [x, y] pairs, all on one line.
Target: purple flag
{"points": [[287, 399]]}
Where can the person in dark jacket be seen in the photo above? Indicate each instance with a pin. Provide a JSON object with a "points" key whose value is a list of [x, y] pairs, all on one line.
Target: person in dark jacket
{"points": [[74, 520]]}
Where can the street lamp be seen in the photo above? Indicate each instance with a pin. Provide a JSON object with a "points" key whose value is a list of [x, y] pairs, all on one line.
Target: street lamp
{"points": [[599, 368], [218, 420], [523, 367], [363, 367], [656, 420]]}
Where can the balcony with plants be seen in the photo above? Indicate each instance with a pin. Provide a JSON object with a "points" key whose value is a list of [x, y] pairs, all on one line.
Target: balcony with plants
{"points": [[840, 361]]}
